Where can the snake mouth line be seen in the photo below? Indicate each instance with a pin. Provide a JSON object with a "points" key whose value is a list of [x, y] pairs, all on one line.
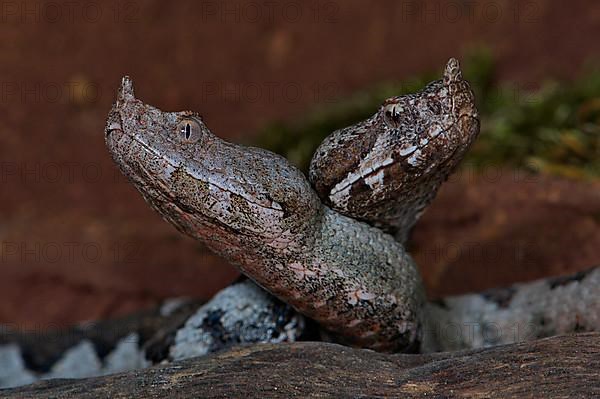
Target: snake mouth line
{"points": [[161, 187]]}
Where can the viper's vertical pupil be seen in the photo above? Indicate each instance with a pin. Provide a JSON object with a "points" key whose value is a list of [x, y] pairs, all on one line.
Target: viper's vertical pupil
{"points": [[188, 131]]}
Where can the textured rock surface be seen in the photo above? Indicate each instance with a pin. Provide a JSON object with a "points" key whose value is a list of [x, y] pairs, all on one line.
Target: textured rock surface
{"points": [[558, 367]]}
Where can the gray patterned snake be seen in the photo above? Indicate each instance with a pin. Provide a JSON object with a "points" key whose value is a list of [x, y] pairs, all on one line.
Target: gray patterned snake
{"points": [[329, 251], [330, 247]]}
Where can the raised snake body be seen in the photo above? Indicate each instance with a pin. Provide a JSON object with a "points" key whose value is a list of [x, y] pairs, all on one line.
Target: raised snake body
{"points": [[333, 249]]}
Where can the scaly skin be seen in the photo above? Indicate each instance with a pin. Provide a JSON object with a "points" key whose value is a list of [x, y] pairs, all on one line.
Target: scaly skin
{"points": [[240, 313], [388, 168], [259, 212], [521, 312]]}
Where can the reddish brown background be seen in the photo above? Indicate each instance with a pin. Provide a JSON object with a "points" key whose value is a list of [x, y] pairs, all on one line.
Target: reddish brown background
{"points": [[62, 200]]}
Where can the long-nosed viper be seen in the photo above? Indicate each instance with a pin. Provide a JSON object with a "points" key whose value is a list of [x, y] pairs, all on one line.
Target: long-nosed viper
{"points": [[329, 247]]}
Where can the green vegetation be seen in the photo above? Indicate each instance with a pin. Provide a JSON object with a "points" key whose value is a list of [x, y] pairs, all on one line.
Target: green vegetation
{"points": [[552, 129]]}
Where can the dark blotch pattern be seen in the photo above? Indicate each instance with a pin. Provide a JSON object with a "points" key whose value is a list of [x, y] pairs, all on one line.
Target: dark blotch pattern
{"points": [[564, 280], [500, 296]]}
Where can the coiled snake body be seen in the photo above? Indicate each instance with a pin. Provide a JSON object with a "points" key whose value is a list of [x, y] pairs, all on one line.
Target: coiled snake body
{"points": [[332, 247]]}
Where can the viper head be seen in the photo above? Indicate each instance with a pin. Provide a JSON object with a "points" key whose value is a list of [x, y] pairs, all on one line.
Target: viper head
{"points": [[198, 182], [423, 130], [413, 139]]}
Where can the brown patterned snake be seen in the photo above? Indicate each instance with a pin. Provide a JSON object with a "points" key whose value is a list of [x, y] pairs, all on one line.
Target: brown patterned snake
{"points": [[332, 248]]}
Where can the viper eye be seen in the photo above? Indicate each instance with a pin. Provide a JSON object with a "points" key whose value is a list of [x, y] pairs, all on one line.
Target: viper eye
{"points": [[391, 115], [189, 130]]}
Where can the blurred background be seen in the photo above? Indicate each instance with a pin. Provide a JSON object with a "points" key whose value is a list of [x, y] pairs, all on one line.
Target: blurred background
{"points": [[79, 243]]}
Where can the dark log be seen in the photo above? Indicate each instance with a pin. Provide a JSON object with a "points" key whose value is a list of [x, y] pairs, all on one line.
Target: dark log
{"points": [[565, 366]]}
